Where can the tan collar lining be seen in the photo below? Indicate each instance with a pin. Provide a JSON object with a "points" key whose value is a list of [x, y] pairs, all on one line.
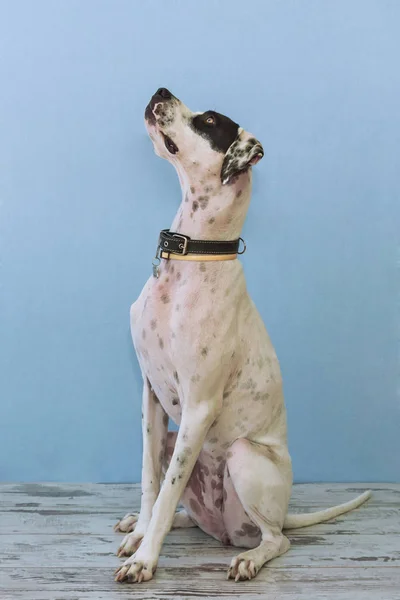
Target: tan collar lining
{"points": [[202, 257]]}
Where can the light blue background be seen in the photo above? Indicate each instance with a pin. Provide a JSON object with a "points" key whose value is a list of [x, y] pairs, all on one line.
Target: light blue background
{"points": [[81, 190]]}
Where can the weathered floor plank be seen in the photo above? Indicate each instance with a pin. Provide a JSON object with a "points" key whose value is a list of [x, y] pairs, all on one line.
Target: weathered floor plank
{"points": [[117, 493], [184, 549], [271, 584], [369, 520], [56, 542], [91, 509]]}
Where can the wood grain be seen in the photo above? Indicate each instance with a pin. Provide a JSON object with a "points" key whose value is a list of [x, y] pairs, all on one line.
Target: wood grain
{"points": [[57, 542]]}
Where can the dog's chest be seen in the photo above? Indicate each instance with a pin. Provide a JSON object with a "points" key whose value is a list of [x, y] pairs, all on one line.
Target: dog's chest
{"points": [[152, 336], [178, 321]]}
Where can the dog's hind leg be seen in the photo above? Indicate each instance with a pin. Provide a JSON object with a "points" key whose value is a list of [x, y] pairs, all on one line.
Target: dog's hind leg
{"points": [[182, 520], [128, 523], [261, 478]]}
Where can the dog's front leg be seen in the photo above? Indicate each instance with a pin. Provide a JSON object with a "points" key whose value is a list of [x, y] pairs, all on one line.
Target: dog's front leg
{"points": [[196, 421], [154, 429]]}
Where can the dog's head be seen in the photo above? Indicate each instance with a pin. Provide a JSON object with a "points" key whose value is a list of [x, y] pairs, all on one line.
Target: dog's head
{"points": [[207, 144]]}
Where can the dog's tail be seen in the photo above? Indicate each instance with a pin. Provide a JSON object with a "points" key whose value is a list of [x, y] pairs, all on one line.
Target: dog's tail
{"points": [[306, 519]]}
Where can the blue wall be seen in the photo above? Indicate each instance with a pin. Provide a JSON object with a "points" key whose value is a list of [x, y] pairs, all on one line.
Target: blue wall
{"points": [[80, 189]]}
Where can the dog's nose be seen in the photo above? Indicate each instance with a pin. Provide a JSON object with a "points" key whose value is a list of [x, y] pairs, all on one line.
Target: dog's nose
{"points": [[164, 93]]}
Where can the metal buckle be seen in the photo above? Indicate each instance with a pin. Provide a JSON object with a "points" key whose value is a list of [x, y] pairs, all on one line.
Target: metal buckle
{"points": [[184, 245], [244, 246]]}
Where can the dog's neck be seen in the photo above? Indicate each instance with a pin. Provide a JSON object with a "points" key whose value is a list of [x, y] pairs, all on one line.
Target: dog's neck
{"points": [[210, 210]]}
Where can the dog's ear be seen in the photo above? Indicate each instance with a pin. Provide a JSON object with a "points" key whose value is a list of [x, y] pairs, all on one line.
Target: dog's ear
{"points": [[245, 152]]}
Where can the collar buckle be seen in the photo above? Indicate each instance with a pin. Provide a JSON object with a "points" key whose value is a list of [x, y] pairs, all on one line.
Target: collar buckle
{"points": [[183, 246]]}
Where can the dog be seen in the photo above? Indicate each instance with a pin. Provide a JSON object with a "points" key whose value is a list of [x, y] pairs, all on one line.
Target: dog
{"points": [[208, 364]]}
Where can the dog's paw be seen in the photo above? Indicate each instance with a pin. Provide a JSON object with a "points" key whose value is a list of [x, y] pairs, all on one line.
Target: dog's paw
{"points": [[241, 568], [130, 544], [128, 523], [135, 571]]}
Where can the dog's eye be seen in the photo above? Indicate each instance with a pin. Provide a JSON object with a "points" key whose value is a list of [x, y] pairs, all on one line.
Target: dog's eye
{"points": [[170, 145], [210, 120]]}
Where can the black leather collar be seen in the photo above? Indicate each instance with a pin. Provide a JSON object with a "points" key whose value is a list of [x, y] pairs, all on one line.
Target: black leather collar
{"points": [[176, 243]]}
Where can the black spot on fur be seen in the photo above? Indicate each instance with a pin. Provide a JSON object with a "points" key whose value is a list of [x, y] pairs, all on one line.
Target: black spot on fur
{"points": [[165, 298], [195, 205], [239, 158], [182, 460], [250, 530], [221, 133], [211, 221], [203, 201], [176, 377], [239, 533]]}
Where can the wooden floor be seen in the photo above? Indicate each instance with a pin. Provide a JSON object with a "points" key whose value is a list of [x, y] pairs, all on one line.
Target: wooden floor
{"points": [[57, 542]]}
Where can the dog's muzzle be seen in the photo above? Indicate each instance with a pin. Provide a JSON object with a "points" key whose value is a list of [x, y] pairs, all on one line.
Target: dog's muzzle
{"points": [[161, 95]]}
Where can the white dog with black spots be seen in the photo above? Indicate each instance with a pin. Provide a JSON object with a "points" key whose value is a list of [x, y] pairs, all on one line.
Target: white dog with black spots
{"points": [[208, 364]]}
